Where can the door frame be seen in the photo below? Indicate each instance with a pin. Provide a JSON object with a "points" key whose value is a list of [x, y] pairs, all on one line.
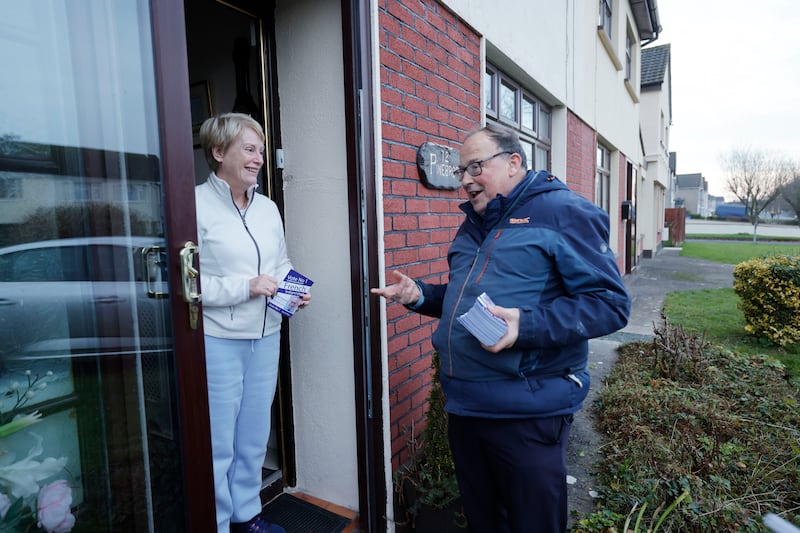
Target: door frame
{"points": [[171, 59], [364, 270], [631, 195], [172, 92]]}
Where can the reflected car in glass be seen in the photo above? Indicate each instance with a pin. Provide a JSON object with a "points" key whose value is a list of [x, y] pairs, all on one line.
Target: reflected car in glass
{"points": [[83, 295]]}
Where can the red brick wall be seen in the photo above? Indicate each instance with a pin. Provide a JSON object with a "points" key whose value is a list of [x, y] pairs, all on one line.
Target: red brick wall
{"points": [[582, 167], [581, 157], [430, 91]]}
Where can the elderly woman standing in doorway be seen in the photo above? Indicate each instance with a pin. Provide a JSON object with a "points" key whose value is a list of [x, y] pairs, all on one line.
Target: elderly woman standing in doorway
{"points": [[242, 259]]}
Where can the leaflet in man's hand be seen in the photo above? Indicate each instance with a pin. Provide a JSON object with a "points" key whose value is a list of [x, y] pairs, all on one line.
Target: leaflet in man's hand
{"points": [[290, 293], [485, 326]]}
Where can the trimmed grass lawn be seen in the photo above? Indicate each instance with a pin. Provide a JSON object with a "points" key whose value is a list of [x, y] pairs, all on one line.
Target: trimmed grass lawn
{"points": [[735, 252], [715, 312]]}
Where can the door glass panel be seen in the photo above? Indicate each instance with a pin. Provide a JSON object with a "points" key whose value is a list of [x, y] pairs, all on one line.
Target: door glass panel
{"points": [[87, 385]]}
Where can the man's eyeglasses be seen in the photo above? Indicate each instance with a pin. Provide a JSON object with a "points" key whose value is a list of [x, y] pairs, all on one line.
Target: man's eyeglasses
{"points": [[476, 167]]}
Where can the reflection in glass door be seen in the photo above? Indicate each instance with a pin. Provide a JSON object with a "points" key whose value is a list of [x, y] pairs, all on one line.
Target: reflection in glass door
{"points": [[89, 437]]}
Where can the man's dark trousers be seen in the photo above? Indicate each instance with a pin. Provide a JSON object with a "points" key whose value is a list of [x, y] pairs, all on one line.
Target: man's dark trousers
{"points": [[512, 472]]}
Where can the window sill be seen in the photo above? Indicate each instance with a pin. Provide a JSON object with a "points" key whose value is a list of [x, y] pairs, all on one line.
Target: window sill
{"points": [[631, 92], [609, 48]]}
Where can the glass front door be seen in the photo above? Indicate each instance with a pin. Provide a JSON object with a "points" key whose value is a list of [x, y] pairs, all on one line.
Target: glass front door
{"points": [[90, 438]]}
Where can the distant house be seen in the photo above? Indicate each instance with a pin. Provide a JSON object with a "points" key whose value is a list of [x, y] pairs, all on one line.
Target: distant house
{"points": [[656, 120], [713, 202], [692, 192]]}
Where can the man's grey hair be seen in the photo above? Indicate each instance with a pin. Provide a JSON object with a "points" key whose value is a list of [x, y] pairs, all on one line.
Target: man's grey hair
{"points": [[505, 139]]}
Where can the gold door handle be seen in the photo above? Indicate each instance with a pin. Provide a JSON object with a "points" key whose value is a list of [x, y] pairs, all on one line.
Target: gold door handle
{"points": [[189, 276], [154, 261]]}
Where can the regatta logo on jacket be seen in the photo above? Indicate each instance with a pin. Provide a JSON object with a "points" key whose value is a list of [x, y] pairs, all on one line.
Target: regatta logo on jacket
{"points": [[526, 220]]}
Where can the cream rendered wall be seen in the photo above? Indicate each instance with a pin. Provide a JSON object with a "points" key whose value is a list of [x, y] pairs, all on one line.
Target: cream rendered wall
{"points": [[310, 86], [531, 35], [553, 49], [655, 121], [555, 45], [611, 110]]}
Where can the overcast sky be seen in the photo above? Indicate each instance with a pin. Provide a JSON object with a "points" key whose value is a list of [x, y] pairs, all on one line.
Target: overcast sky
{"points": [[735, 80]]}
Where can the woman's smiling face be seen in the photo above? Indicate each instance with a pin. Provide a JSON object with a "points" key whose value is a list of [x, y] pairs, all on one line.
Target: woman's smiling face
{"points": [[240, 164]]}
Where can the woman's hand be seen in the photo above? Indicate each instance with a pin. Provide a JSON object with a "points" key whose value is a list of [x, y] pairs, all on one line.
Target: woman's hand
{"points": [[305, 300], [263, 285]]}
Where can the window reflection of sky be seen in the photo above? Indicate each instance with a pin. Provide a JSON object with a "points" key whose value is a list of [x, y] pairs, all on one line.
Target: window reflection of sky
{"points": [[60, 94]]}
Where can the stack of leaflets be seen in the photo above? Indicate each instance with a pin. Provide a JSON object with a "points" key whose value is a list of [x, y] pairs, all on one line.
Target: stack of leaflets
{"points": [[290, 293], [485, 326]]}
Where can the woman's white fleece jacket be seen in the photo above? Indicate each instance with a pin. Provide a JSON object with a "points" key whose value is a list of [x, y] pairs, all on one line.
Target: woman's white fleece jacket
{"points": [[235, 247]]}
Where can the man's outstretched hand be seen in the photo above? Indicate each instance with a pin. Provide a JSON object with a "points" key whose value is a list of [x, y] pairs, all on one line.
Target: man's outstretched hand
{"points": [[403, 290]]}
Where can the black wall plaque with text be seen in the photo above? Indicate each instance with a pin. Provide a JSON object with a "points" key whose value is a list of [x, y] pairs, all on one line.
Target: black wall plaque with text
{"points": [[436, 164]]}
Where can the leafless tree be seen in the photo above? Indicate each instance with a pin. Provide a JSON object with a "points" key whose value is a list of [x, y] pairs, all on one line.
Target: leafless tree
{"points": [[756, 178], [791, 193]]}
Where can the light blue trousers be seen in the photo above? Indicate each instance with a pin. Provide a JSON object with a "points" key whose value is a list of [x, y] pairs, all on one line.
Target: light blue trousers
{"points": [[242, 377]]}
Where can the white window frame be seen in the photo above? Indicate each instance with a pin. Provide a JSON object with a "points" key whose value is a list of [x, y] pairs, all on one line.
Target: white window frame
{"points": [[540, 135], [602, 184]]}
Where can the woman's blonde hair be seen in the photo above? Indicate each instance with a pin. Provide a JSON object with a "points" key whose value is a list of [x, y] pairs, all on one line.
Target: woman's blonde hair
{"points": [[221, 131]]}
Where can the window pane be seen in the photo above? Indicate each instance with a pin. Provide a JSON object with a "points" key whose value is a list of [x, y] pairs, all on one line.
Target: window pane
{"points": [[508, 102], [10, 188], [544, 123], [520, 110], [542, 159], [628, 57], [488, 87], [605, 16], [527, 113], [528, 149], [602, 158], [603, 178]]}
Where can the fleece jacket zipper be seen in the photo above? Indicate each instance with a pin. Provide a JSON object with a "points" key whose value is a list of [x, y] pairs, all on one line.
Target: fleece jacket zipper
{"points": [[242, 216], [506, 214]]}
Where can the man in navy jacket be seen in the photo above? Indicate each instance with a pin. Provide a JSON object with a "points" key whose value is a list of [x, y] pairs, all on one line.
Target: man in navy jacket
{"points": [[541, 253]]}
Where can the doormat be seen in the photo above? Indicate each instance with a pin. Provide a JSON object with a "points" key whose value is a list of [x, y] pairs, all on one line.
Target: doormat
{"points": [[299, 516]]}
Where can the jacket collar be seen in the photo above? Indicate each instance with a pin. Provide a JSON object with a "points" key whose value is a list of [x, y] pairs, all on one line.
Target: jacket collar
{"points": [[499, 207], [221, 187]]}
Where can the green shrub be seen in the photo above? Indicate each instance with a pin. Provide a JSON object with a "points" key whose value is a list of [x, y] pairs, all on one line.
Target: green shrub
{"points": [[428, 480], [769, 292]]}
